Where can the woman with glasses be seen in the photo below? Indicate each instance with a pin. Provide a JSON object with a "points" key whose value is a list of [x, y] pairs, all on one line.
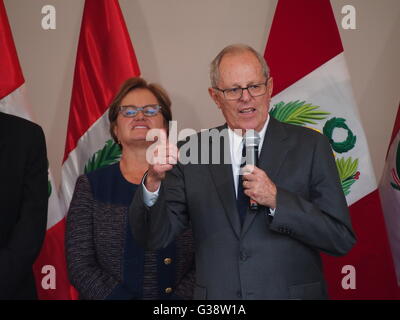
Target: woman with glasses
{"points": [[104, 261]]}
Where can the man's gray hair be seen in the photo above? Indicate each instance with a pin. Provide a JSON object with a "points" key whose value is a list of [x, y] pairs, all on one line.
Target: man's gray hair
{"points": [[234, 49]]}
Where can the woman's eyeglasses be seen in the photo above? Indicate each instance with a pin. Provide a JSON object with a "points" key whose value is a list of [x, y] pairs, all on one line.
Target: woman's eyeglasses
{"points": [[131, 111]]}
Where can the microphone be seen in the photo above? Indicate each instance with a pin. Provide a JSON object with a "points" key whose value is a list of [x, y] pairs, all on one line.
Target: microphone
{"points": [[252, 141]]}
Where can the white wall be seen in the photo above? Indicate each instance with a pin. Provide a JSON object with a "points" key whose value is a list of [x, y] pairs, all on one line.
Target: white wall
{"points": [[174, 42]]}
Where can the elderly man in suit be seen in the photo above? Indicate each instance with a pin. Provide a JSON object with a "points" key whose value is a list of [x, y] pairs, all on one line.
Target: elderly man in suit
{"points": [[23, 205], [268, 253]]}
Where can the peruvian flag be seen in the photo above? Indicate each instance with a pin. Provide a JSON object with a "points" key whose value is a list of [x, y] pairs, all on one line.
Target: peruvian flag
{"points": [[312, 89], [389, 189], [12, 82], [13, 100], [105, 59]]}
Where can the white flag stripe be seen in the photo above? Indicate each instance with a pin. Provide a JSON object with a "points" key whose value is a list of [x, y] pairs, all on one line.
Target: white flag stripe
{"points": [[92, 140], [17, 104], [54, 208], [329, 87]]}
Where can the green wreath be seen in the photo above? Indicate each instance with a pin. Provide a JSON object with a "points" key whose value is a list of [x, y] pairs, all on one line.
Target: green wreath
{"points": [[297, 112], [348, 172], [343, 146], [109, 154]]}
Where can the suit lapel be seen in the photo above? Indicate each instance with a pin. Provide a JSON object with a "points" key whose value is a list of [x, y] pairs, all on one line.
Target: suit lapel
{"points": [[273, 154], [275, 148], [223, 180]]}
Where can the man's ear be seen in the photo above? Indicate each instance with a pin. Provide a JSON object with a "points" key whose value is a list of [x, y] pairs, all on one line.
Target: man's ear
{"points": [[270, 86], [214, 95]]}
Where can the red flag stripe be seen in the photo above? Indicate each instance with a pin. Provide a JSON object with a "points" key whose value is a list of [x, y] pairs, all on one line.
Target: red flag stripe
{"points": [[293, 52], [371, 256], [11, 76], [52, 253], [105, 56]]}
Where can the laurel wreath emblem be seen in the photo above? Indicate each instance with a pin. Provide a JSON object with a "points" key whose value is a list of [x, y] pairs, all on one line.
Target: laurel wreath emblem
{"points": [[343, 146], [109, 154], [299, 113], [348, 173]]}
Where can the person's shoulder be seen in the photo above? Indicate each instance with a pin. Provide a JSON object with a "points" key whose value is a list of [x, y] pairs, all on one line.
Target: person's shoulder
{"points": [[13, 122], [301, 131], [103, 173], [204, 134], [21, 132], [91, 179]]}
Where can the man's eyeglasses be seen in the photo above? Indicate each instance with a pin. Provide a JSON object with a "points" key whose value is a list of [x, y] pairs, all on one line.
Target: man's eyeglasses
{"points": [[131, 111], [254, 90]]}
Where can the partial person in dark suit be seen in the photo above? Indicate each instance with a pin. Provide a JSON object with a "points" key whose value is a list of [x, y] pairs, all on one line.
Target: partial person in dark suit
{"points": [[271, 253], [23, 205], [104, 262]]}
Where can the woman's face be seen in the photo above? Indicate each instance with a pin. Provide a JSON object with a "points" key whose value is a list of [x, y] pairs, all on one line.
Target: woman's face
{"points": [[131, 130]]}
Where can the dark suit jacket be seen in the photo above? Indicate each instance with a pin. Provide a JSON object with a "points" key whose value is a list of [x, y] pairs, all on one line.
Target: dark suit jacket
{"points": [[266, 258], [23, 205]]}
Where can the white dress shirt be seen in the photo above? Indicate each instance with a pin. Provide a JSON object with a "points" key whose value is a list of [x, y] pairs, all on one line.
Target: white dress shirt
{"points": [[236, 146]]}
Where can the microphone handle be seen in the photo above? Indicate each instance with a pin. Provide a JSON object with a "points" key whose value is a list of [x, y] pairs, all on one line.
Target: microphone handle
{"points": [[253, 205]]}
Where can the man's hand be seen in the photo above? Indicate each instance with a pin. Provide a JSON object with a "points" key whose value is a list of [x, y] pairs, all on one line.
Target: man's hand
{"points": [[259, 187], [161, 159]]}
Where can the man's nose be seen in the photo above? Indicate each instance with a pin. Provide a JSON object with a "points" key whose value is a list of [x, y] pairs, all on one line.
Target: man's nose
{"points": [[246, 96]]}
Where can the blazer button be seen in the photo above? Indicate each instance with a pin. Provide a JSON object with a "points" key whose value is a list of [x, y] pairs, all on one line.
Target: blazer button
{"points": [[284, 229], [243, 256], [168, 290], [167, 261], [239, 294]]}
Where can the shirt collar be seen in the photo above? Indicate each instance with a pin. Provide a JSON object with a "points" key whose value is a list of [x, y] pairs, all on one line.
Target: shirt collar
{"points": [[236, 139]]}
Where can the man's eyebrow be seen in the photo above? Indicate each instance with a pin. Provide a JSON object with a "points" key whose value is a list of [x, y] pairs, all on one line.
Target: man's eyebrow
{"points": [[250, 83]]}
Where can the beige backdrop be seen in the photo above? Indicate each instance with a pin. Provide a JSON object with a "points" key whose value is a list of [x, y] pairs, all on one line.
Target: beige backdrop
{"points": [[174, 42]]}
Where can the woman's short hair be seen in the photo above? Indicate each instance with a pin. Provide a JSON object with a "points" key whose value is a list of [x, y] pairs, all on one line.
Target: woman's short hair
{"points": [[133, 84]]}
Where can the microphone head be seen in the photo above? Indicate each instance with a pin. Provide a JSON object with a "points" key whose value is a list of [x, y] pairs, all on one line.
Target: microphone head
{"points": [[251, 138]]}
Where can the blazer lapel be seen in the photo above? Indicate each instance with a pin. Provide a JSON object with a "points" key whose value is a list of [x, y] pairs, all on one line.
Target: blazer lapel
{"points": [[223, 180], [273, 154]]}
